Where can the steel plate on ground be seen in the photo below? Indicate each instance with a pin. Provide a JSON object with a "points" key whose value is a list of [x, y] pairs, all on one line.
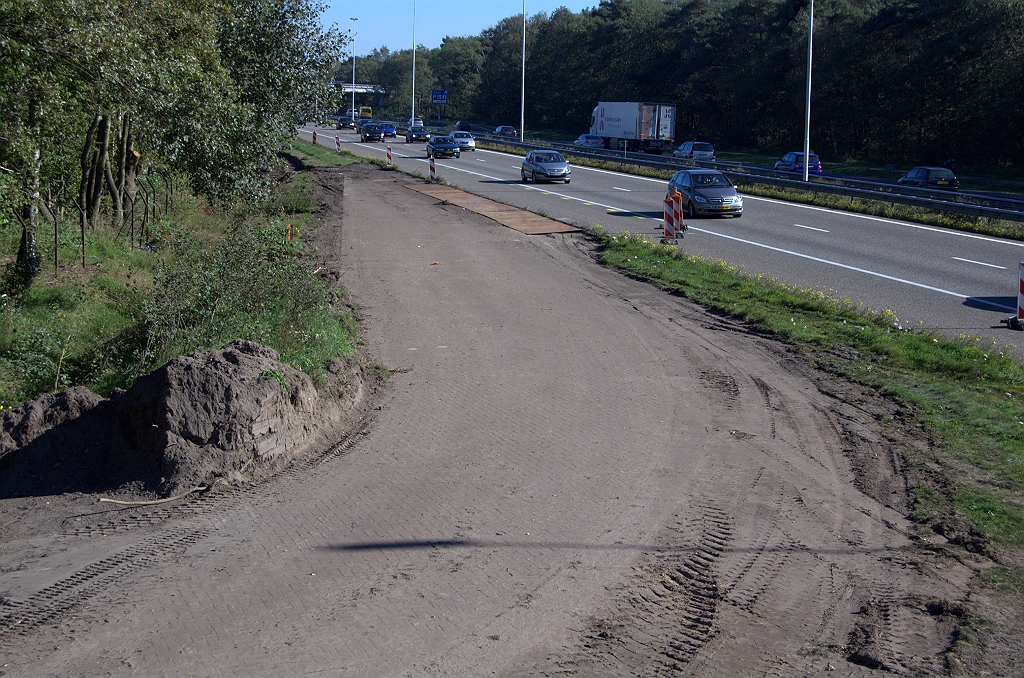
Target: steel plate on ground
{"points": [[513, 217]]}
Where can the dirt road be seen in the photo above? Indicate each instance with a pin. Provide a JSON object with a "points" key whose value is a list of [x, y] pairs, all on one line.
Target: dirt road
{"points": [[578, 473]]}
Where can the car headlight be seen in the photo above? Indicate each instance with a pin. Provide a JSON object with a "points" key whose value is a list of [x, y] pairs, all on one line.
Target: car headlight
{"points": [[701, 199], [737, 200]]}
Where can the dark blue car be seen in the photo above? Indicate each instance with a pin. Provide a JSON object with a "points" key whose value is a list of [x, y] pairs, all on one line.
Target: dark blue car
{"points": [[388, 128]]}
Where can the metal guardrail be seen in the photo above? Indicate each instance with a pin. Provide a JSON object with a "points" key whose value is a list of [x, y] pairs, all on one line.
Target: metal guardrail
{"points": [[959, 203]]}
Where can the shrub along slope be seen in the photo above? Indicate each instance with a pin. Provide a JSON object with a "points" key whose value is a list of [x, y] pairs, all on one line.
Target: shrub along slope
{"points": [[200, 278]]}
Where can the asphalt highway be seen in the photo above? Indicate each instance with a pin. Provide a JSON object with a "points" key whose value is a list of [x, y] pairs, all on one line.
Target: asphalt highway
{"points": [[955, 282]]}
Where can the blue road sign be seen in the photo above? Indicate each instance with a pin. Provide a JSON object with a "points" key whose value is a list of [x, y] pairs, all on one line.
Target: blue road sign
{"points": [[439, 97]]}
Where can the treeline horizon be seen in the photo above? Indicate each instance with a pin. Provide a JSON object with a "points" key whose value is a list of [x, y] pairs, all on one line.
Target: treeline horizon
{"points": [[894, 81]]}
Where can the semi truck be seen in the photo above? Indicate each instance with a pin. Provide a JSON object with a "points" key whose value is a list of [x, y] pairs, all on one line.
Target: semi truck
{"points": [[637, 126]]}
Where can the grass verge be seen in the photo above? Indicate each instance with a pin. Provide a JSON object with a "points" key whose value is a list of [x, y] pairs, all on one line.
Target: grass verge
{"points": [[966, 395], [200, 278], [1002, 228]]}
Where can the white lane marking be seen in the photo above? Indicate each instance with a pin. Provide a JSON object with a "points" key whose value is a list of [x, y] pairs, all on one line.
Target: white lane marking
{"points": [[480, 160], [854, 215], [622, 189], [979, 263], [812, 228], [934, 229], [856, 269]]}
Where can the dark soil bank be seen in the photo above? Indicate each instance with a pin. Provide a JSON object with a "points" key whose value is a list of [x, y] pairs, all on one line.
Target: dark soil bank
{"points": [[233, 413]]}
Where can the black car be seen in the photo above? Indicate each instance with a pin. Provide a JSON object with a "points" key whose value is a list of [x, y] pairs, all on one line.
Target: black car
{"points": [[930, 177], [443, 147], [463, 126], [346, 123], [706, 192], [371, 132], [545, 165], [417, 134]]}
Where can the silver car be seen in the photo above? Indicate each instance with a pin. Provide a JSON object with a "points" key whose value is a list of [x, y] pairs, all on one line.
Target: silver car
{"points": [[705, 192], [545, 165], [589, 141], [465, 140], [695, 150]]}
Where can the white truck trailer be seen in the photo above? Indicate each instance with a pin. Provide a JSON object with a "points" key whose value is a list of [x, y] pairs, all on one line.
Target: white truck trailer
{"points": [[646, 127]]}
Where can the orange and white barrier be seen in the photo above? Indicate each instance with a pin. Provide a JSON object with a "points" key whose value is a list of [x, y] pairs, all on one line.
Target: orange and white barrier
{"points": [[680, 217], [314, 137], [389, 156], [674, 224], [1020, 292], [337, 143], [433, 172], [670, 218]]}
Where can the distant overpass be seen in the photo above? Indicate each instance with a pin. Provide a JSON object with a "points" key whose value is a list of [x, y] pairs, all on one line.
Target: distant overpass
{"points": [[347, 87]]}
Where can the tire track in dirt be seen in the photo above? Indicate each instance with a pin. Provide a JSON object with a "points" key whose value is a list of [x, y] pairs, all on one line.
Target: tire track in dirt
{"points": [[170, 539], [666, 612], [69, 594]]}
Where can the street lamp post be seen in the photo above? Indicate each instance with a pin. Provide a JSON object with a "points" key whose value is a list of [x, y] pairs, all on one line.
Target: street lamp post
{"points": [[354, 68], [807, 118], [522, 98], [413, 117]]}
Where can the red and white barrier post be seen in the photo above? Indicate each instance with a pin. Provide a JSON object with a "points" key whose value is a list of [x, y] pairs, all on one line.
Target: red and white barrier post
{"points": [[314, 137], [433, 172], [1020, 292], [389, 156], [670, 218], [337, 143], [680, 220]]}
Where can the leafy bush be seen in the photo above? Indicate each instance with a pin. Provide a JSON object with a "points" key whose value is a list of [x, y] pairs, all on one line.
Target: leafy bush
{"points": [[250, 285]]}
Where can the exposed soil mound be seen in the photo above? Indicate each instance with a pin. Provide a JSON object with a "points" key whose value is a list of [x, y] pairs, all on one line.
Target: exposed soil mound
{"points": [[230, 413]]}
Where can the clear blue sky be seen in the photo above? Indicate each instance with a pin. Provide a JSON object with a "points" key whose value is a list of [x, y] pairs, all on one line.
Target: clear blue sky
{"points": [[390, 22]]}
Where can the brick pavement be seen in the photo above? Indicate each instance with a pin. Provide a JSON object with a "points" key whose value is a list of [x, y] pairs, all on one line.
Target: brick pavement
{"points": [[566, 444]]}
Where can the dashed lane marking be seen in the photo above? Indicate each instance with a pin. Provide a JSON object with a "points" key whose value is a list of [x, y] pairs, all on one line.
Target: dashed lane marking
{"points": [[800, 225], [979, 263]]}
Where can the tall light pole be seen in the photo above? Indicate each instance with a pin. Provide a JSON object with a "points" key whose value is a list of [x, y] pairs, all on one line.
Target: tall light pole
{"points": [[354, 116], [413, 117], [522, 98], [807, 118]]}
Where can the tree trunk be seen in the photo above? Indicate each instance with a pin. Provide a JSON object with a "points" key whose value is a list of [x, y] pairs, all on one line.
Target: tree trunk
{"points": [[35, 112], [86, 163], [115, 196], [122, 168], [99, 170]]}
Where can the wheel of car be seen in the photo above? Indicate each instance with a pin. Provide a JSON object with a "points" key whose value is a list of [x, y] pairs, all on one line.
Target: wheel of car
{"points": [[428, 153], [690, 212], [737, 216], [567, 180], [522, 175]]}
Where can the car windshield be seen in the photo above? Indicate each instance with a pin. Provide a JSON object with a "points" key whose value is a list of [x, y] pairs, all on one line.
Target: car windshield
{"points": [[942, 174], [703, 147], [548, 157], [462, 135], [710, 181], [417, 129]]}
